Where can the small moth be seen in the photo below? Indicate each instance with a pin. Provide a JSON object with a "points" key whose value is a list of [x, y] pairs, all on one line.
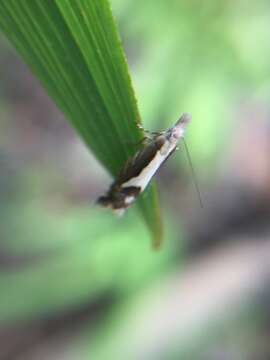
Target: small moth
{"points": [[139, 170]]}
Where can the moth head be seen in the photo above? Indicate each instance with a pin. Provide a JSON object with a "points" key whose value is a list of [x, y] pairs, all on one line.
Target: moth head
{"points": [[178, 130]]}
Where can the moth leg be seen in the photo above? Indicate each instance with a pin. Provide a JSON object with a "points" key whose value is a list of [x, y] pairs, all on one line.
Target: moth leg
{"points": [[140, 126], [143, 141], [150, 134]]}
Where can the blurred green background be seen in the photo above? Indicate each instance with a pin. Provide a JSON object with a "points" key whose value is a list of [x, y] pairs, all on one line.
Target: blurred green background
{"points": [[78, 283]]}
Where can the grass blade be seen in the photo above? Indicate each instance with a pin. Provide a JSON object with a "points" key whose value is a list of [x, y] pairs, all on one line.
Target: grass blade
{"points": [[74, 49]]}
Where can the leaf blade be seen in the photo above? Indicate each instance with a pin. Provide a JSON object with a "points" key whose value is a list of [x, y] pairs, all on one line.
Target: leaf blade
{"points": [[74, 49]]}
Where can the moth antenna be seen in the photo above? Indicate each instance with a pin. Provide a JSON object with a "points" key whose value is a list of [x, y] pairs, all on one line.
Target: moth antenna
{"points": [[193, 173]]}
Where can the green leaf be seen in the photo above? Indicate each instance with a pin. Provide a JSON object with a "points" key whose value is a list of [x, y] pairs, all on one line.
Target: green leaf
{"points": [[74, 49]]}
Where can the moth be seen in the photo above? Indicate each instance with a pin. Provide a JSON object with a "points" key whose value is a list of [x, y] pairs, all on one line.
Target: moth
{"points": [[138, 171]]}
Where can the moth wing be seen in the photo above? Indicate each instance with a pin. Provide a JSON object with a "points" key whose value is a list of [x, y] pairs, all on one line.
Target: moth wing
{"points": [[141, 159]]}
